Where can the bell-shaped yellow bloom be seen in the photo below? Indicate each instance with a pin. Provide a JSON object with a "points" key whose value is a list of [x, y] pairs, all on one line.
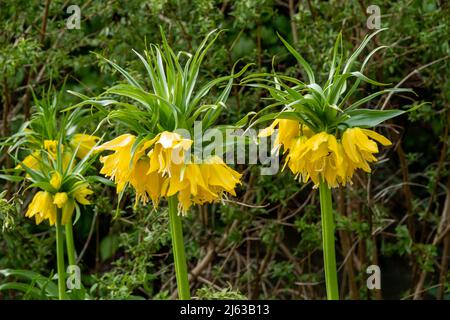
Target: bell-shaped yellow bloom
{"points": [[317, 157], [169, 149], [31, 161], [81, 192], [166, 170], [187, 182], [201, 183], [118, 165], [146, 185], [83, 143], [60, 199], [219, 176], [360, 149], [289, 131], [321, 155], [42, 208]]}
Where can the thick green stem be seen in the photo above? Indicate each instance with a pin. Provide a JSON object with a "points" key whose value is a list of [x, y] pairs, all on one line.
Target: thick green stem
{"points": [[60, 257], [71, 254], [176, 231], [329, 255]]}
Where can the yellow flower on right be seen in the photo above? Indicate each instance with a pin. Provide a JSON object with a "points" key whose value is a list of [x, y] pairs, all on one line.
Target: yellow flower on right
{"points": [[322, 155]]}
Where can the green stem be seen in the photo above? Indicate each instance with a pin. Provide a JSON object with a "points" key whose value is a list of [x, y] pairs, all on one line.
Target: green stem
{"points": [[176, 231], [329, 255], [60, 257], [70, 244]]}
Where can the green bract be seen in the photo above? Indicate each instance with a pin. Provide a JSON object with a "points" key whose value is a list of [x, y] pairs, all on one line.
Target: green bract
{"points": [[173, 100], [325, 107]]}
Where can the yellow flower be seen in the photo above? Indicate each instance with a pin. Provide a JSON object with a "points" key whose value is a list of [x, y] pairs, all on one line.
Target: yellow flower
{"points": [[66, 158], [289, 131], [60, 199], [118, 165], [359, 149], [52, 147], [201, 183], [56, 180], [187, 181], [84, 143], [220, 177], [317, 157], [322, 156], [169, 149], [31, 161], [166, 170], [42, 208], [81, 192], [146, 185]]}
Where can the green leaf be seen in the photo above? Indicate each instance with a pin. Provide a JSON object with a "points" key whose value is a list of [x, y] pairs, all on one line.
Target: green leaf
{"points": [[241, 123], [300, 60], [109, 246], [35, 293], [43, 282], [369, 117], [373, 96], [11, 178], [101, 180]]}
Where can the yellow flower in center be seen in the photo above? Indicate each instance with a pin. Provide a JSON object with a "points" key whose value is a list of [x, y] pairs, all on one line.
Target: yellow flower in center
{"points": [[31, 161], [166, 170], [147, 185], [169, 149], [289, 131]]}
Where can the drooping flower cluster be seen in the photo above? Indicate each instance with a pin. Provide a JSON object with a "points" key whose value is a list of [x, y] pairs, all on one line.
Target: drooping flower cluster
{"points": [[162, 167], [321, 155], [45, 203]]}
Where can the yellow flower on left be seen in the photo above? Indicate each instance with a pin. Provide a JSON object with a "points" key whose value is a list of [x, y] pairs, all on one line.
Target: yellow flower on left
{"points": [[42, 207], [44, 204], [118, 165]]}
